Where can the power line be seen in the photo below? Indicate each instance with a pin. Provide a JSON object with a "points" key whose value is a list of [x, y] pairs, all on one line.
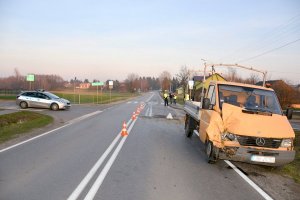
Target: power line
{"points": [[284, 72], [269, 51], [270, 38]]}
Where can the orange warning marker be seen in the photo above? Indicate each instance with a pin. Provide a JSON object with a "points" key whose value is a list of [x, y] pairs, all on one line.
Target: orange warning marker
{"points": [[133, 116], [138, 111], [124, 130]]}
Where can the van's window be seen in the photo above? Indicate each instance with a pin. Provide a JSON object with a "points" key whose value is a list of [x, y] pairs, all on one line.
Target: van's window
{"points": [[211, 94], [249, 98]]}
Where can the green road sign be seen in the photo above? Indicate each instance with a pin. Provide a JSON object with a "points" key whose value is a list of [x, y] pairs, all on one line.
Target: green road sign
{"points": [[97, 84], [30, 77]]}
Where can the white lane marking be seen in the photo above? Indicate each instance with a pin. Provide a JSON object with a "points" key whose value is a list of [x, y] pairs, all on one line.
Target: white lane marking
{"points": [[150, 113], [248, 180], [84, 116], [147, 112], [92, 172], [76, 193], [94, 189], [36, 137], [135, 102], [128, 102], [13, 146], [150, 97]]}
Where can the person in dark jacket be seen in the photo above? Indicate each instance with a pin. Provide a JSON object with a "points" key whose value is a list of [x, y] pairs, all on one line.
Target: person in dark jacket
{"points": [[171, 97]]}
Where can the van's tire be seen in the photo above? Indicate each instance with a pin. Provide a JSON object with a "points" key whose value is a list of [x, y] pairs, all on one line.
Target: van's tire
{"points": [[54, 106], [23, 105], [189, 126], [212, 152]]}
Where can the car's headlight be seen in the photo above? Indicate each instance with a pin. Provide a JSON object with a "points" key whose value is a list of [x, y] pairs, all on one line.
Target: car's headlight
{"points": [[286, 143], [60, 101], [229, 136]]}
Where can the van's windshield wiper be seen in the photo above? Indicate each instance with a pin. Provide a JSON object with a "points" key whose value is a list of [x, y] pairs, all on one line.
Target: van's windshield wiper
{"points": [[257, 111]]}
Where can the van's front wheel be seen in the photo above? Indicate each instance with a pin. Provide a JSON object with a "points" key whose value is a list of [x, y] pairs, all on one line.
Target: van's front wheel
{"points": [[189, 126], [211, 152]]}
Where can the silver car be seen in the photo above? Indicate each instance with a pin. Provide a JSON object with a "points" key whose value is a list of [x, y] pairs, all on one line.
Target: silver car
{"points": [[41, 99]]}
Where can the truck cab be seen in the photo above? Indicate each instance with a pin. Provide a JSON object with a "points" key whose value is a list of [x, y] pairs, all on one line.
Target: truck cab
{"points": [[241, 122]]}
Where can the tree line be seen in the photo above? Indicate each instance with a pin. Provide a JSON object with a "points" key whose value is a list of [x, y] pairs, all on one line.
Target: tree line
{"points": [[134, 83]]}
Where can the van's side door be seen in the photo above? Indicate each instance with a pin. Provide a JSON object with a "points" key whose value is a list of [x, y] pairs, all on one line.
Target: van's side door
{"points": [[206, 113]]}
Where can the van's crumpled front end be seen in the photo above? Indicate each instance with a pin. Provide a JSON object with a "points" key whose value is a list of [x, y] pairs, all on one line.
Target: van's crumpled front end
{"points": [[255, 138]]}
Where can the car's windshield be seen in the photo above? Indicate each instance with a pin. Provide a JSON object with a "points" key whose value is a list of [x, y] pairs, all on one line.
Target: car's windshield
{"points": [[249, 98], [52, 96]]}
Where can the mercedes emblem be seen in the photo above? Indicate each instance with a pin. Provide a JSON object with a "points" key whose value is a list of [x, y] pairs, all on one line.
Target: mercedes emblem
{"points": [[260, 142]]}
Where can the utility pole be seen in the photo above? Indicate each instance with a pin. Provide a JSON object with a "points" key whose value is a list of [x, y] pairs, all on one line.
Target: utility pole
{"points": [[74, 88]]}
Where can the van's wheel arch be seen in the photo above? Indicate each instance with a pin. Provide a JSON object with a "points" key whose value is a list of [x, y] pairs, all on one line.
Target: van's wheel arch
{"points": [[54, 106], [23, 104], [190, 125], [211, 151]]}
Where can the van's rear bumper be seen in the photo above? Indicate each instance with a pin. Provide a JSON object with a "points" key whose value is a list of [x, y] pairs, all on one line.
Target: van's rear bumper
{"points": [[244, 154]]}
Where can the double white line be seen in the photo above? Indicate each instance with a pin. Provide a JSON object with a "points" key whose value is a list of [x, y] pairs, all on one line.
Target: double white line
{"points": [[95, 187]]}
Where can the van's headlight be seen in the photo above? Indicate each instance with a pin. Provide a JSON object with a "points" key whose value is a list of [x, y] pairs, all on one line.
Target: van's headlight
{"points": [[229, 136], [286, 143]]}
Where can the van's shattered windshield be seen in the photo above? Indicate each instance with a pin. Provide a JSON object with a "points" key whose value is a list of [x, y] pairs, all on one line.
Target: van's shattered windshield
{"points": [[249, 98]]}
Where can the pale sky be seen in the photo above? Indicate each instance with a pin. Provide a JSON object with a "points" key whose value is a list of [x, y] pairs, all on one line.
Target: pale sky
{"points": [[110, 39]]}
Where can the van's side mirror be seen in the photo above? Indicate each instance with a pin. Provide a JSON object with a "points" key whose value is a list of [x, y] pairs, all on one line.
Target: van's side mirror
{"points": [[289, 113], [206, 103]]}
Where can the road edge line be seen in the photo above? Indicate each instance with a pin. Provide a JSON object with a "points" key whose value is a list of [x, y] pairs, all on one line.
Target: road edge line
{"points": [[249, 181], [48, 132]]}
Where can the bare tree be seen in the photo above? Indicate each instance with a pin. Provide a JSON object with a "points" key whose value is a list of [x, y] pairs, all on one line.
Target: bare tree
{"points": [[131, 81], [253, 79], [183, 77], [165, 80]]}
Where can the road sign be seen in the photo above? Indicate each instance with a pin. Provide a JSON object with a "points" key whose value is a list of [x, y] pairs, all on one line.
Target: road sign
{"points": [[97, 84], [191, 85], [110, 84], [30, 77]]}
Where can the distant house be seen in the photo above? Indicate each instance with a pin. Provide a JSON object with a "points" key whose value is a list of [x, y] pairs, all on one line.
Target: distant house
{"points": [[179, 90], [214, 77], [198, 84], [68, 85], [123, 87], [84, 85]]}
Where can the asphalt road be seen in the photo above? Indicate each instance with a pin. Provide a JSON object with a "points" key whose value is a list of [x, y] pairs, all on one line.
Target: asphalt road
{"points": [[156, 160]]}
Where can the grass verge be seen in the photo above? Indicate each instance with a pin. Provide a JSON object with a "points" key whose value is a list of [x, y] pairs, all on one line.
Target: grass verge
{"points": [[10, 97], [293, 169], [92, 98], [14, 124]]}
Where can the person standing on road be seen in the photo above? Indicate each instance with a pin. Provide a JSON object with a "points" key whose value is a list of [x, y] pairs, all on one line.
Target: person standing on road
{"points": [[171, 97], [166, 99], [174, 97]]}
